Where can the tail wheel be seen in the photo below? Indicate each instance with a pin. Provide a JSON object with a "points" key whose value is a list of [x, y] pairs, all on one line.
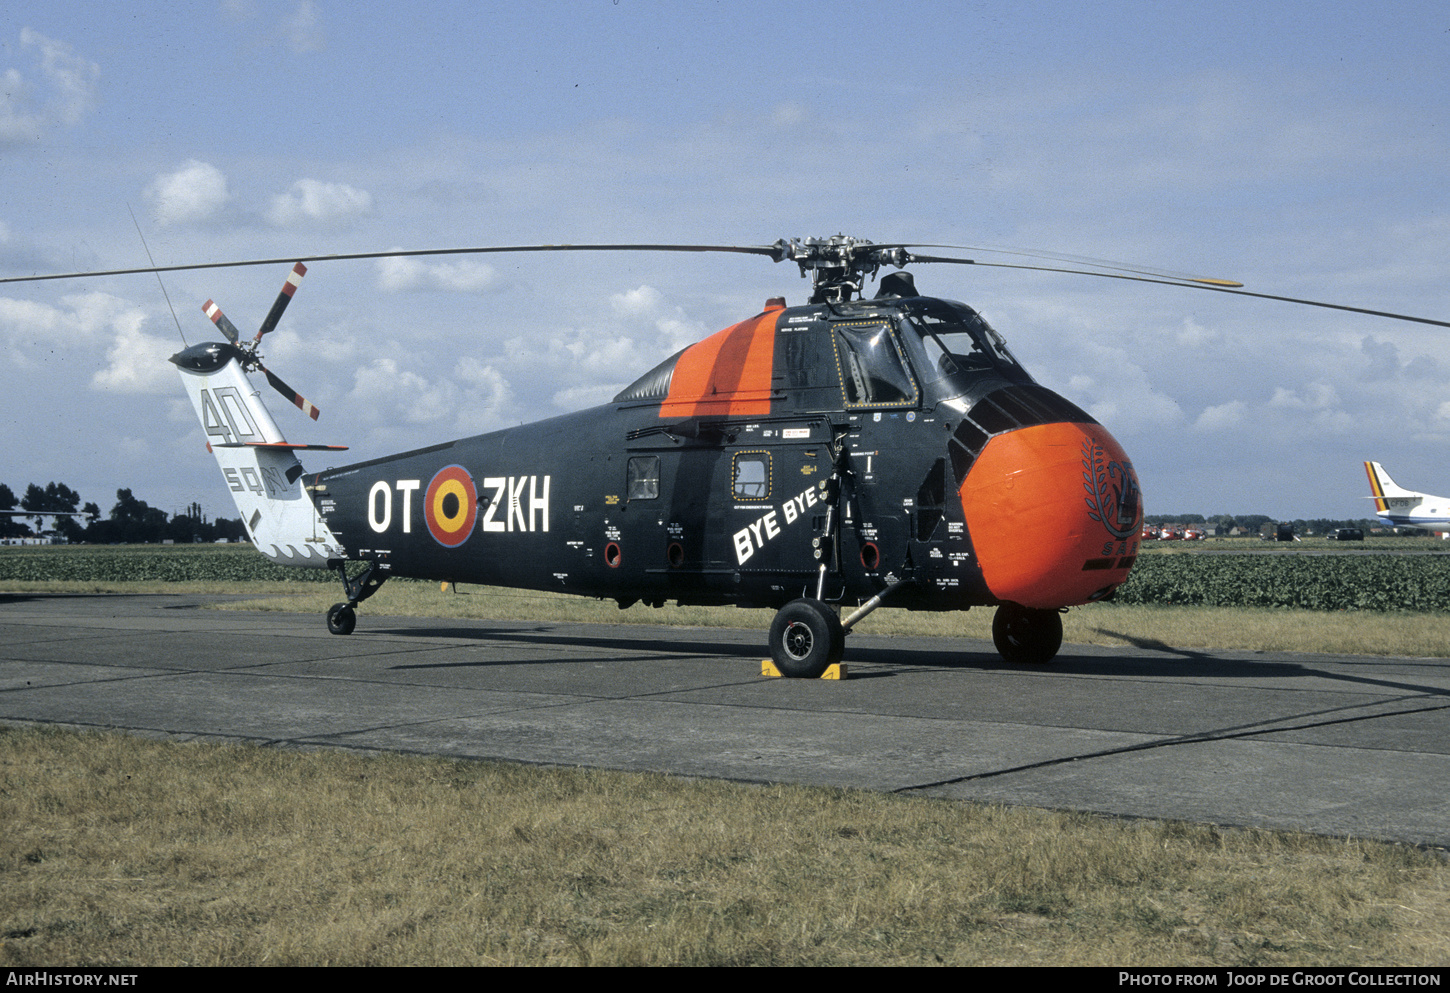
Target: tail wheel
{"points": [[1022, 634], [806, 639], [341, 619]]}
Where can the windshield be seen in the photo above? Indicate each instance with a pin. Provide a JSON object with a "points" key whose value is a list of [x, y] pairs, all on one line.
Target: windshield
{"points": [[959, 345]]}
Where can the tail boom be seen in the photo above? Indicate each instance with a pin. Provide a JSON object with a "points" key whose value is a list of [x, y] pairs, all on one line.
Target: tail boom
{"points": [[257, 463]]}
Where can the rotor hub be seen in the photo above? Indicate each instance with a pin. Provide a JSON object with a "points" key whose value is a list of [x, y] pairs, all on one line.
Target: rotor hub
{"points": [[839, 265]]}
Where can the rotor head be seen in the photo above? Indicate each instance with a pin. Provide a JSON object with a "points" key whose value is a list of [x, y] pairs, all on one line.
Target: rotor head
{"points": [[839, 265]]}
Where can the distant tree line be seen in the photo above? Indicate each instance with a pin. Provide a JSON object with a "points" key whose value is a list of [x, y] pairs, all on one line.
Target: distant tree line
{"points": [[1253, 522], [131, 521]]}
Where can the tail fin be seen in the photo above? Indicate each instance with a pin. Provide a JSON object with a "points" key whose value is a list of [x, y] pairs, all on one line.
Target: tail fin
{"points": [[1381, 486], [258, 464]]}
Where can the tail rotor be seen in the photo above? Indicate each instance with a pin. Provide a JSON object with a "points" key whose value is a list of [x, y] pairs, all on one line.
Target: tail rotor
{"points": [[251, 359]]}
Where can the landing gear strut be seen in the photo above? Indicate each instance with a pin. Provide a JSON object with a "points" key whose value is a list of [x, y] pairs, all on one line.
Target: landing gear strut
{"points": [[342, 617], [1022, 634]]}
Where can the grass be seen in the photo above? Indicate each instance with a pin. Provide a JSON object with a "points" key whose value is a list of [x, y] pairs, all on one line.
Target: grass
{"points": [[124, 851], [1169, 628]]}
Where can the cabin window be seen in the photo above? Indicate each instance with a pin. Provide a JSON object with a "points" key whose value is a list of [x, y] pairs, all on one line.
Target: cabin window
{"points": [[750, 474], [873, 373], [644, 477]]}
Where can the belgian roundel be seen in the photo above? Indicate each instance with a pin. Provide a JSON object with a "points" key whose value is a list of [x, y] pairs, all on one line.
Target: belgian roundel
{"points": [[451, 506]]}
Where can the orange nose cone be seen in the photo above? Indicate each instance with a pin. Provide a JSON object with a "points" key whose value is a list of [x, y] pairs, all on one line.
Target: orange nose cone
{"points": [[1054, 512]]}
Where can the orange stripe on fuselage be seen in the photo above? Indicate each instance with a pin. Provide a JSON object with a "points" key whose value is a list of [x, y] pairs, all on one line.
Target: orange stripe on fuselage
{"points": [[1376, 489], [728, 374]]}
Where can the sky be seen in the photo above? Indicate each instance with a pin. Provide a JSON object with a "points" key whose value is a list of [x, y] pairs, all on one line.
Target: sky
{"points": [[1300, 148]]}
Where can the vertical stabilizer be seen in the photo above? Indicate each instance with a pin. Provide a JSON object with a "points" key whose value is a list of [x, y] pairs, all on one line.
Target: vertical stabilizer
{"points": [[1381, 485], [258, 465]]}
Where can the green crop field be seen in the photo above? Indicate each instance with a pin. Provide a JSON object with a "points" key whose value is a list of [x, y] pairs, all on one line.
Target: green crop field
{"points": [[1307, 582], [148, 564]]}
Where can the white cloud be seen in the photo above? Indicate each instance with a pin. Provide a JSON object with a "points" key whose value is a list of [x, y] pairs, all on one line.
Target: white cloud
{"points": [[72, 77], [21, 319], [83, 319], [304, 32], [639, 302], [480, 399], [310, 200], [789, 114], [384, 385], [17, 124], [301, 31], [1221, 417], [1314, 396], [1113, 388], [136, 363], [73, 333], [583, 397], [192, 194], [402, 275], [66, 95], [488, 398], [646, 304], [1195, 335]]}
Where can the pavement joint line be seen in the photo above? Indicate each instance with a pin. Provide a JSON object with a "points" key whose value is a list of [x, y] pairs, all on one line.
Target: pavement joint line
{"points": [[1189, 739]]}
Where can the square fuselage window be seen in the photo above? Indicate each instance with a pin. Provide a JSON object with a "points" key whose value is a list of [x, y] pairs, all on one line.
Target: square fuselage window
{"points": [[751, 476], [644, 477]]}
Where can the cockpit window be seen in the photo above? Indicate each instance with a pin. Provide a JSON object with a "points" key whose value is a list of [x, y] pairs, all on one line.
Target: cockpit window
{"points": [[957, 343], [873, 372]]}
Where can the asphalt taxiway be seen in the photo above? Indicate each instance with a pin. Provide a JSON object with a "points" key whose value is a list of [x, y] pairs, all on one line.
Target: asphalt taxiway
{"points": [[1334, 744]]}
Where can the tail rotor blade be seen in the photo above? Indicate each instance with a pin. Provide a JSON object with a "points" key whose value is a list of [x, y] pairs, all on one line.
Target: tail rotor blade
{"points": [[294, 279], [297, 400], [220, 320]]}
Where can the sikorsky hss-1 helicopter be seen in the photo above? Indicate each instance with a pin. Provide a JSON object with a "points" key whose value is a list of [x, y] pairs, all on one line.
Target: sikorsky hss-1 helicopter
{"points": [[818, 460]]}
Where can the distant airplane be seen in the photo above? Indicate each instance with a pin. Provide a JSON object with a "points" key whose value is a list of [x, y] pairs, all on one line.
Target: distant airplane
{"points": [[1401, 507]]}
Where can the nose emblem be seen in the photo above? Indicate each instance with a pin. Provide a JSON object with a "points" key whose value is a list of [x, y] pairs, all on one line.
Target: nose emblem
{"points": [[1114, 498]]}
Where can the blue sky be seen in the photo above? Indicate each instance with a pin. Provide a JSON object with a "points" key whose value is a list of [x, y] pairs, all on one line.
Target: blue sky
{"points": [[1298, 147]]}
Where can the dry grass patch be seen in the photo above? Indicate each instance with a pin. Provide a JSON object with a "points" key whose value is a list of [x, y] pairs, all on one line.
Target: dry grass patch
{"points": [[1245, 628], [119, 850]]}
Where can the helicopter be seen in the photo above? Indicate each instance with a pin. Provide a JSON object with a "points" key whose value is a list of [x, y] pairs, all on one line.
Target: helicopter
{"points": [[819, 460]]}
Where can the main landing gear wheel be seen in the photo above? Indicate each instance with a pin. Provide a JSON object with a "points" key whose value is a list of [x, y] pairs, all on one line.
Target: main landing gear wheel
{"points": [[1022, 634], [341, 619], [806, 639]]}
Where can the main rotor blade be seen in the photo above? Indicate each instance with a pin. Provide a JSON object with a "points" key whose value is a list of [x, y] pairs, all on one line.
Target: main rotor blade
{"points": [[292, 395], [776, 252], [220, 320], [1193, 285], [769, 250], [294, 279], [1095, 263]]}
